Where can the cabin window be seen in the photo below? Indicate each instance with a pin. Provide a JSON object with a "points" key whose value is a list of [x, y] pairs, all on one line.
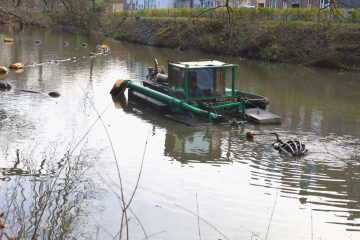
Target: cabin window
{"points": [[210, 83], [204, 83], [176, 82]]}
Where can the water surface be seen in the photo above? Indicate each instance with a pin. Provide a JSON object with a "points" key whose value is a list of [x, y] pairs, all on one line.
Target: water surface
{"points": [[60, 163]]}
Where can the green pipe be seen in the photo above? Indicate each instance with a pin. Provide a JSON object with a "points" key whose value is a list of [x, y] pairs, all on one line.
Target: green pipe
{"points": [[171, 100], [228, 105]]}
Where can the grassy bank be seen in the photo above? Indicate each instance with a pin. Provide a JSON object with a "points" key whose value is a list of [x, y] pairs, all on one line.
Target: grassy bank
{"points": [[323, 44]]}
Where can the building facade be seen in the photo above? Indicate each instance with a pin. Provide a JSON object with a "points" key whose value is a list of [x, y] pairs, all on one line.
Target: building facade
{"points": [[148, 4], [116, 5], [282, 4]]}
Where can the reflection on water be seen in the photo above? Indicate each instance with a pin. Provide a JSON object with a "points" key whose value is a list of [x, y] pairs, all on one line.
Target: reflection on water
{"points": [[194, 146], [244, 190]]}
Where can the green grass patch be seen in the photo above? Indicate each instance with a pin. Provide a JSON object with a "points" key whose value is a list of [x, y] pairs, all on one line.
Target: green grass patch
{"points": [[290, 14]]}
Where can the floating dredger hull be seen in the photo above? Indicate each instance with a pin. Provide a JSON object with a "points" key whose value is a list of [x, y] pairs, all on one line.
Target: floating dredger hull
{"points": [[197, 92]]}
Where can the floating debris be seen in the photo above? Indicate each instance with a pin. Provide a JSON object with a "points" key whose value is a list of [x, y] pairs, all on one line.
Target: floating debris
{"points": [[236, 123], [84, 44], [38, 41], [66, 43]]}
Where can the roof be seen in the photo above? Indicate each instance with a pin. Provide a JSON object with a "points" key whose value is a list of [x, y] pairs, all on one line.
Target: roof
{"points": [[201, 64]]}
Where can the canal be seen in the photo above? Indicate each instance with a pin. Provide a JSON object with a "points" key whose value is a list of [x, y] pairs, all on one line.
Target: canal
{"points": [[61, 158]]}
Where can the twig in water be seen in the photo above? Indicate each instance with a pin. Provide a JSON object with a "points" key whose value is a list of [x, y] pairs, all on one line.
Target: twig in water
{"points": [[132, 212], [116, 163], [138, 220], [198, 216], [8, 209], [67, 157], [208, 223], [154, 234], [101, 227], [272, 213], [312, 223], [136, 185], [140, 171]]}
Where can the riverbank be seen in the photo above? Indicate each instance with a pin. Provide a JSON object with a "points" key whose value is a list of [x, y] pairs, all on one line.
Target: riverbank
{"points": [[334, 45], [309, 43]]}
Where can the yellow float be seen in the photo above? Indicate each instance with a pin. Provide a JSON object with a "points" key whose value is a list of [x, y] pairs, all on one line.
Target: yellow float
{"points": [[8, 40], [16, 66], [104, 47], [3, 71]]}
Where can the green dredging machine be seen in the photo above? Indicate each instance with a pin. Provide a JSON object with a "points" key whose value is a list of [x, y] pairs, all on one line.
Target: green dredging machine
{"points": [[195, 93]]}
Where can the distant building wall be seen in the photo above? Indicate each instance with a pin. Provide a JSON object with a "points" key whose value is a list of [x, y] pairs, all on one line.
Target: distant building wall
{"points": [[165, 4], [349, 4], [182, 3], [281, 4], [116, 5]]}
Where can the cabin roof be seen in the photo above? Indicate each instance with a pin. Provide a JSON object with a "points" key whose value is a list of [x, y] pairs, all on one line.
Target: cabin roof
{"points": [[201, 64]]}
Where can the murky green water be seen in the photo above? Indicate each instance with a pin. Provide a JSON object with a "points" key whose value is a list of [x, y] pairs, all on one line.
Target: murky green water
{"points": [[59, 162]]}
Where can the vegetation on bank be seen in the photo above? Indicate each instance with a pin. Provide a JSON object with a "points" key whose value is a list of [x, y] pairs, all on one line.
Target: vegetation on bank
{"points": [[306, 36], [315, 37], [333, 45]]}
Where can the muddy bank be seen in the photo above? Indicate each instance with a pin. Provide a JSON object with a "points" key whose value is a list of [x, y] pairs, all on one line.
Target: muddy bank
{"points": [[309, 43]]}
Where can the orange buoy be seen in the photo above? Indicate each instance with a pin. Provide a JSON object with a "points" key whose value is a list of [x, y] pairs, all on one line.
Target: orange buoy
{"points": [[8, 40], [16, 66], [3, 70], [105, 48]]}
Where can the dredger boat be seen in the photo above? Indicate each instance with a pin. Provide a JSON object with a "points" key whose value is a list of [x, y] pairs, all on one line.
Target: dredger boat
{"points": [[196, 93]]}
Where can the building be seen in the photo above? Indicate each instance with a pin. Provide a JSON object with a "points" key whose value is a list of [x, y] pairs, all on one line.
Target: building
{"points": [[282, 4], [116, 5], [146, 4], [165, 4], [308, 3], [348, 3], [182, 3]]}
